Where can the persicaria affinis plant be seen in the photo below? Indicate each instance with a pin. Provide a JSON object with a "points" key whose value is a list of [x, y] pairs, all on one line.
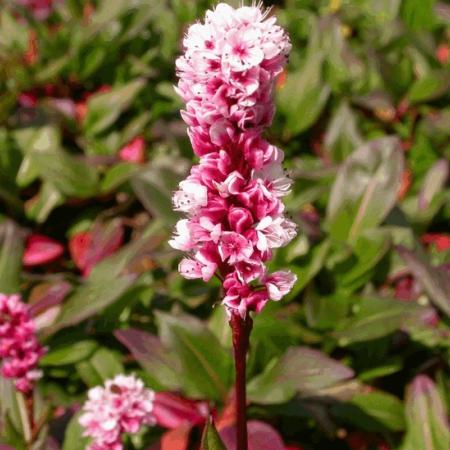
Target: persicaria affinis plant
{"points": [[233, 197]]}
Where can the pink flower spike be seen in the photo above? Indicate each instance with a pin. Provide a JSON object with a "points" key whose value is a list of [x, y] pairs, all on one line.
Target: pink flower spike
{"points": [[232, 197], [122, 405], [20, 349], [41, 250]]}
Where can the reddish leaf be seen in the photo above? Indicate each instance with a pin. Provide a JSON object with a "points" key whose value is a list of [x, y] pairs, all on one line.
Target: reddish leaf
{"points": [[40, 250], [134, 151], [261, 436], [46, 295], [176, 439], [173, 411], [227, 417], [88, 248]]}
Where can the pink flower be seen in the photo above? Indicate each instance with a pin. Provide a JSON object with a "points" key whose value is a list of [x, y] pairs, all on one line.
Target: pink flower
{"points": [[232, 198], [40, 250], [134, 151], [123, 405], [20, 350], [234, 247], [278, 284]]}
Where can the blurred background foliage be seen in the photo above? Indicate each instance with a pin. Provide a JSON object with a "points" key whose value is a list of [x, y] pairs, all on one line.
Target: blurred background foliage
{"points": [[91, 146]]}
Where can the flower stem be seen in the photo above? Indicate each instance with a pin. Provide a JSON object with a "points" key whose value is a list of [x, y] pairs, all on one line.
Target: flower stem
{"points": [[241, 329]]}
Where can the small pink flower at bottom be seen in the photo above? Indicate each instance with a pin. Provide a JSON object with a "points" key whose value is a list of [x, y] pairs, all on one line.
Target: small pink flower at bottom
{"points": [[123, 405], [20, 349]]}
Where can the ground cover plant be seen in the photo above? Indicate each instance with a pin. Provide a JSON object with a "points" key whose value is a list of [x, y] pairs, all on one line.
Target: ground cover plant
{"points": [[92, 306]]}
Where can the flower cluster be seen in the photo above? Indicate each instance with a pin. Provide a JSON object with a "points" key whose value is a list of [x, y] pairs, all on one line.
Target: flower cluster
{"points": [[20, 349], [123, 405], [233, 197]]}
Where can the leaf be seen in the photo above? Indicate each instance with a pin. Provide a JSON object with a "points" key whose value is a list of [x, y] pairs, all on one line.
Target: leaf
{"points": [[301, 370], [152, 356], [418, 14], [105, 108], [434, 280], [302, 109], [374, 411], [172, 410], [431, 86], [39, 207], [307, 268], [210, 438], [91, 298], [434, 183], [176, 439], [154, 188], [261, 436], [205, 364], [68, 175], [11, 249], [342, 134], [377, 317], [365, 189], [426, 419], [73, 437], [117, 175], [69, 353]]}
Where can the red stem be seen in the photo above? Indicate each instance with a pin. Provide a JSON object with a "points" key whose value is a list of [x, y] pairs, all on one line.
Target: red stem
{"points": [[241, 329]]}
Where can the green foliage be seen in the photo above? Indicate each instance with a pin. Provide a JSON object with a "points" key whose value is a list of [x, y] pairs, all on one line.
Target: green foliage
{"points": [[364, 119]]}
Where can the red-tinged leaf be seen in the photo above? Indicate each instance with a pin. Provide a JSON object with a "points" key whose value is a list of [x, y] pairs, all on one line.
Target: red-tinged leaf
{"points": [[176, 439], [88, 248], [41, 250], [134, 151], [78, 246], [293, 447], [227, 417], [261, 436], [433, 279], [152, 356], [172, 411], [426, 417], [47, 295]]}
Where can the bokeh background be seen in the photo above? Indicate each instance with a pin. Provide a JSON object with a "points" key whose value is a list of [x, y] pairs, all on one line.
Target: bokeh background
{"points": [[91, 147]]}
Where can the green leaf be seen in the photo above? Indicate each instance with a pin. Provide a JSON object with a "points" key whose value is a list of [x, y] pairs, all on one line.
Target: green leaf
{"points": [[426, 419], [154, 187], [418, 14], [150, 353], [91, 298], [302, 109], [377, 317], [206, 365], [374, 411], [105, 108], [433, 279], [301, 370], [69, 353], [365, 189], [68, 175], [210, 438], [431, 86], [117, 175], [40, 207], [309, 266], [11, 242], [73, 437]]}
